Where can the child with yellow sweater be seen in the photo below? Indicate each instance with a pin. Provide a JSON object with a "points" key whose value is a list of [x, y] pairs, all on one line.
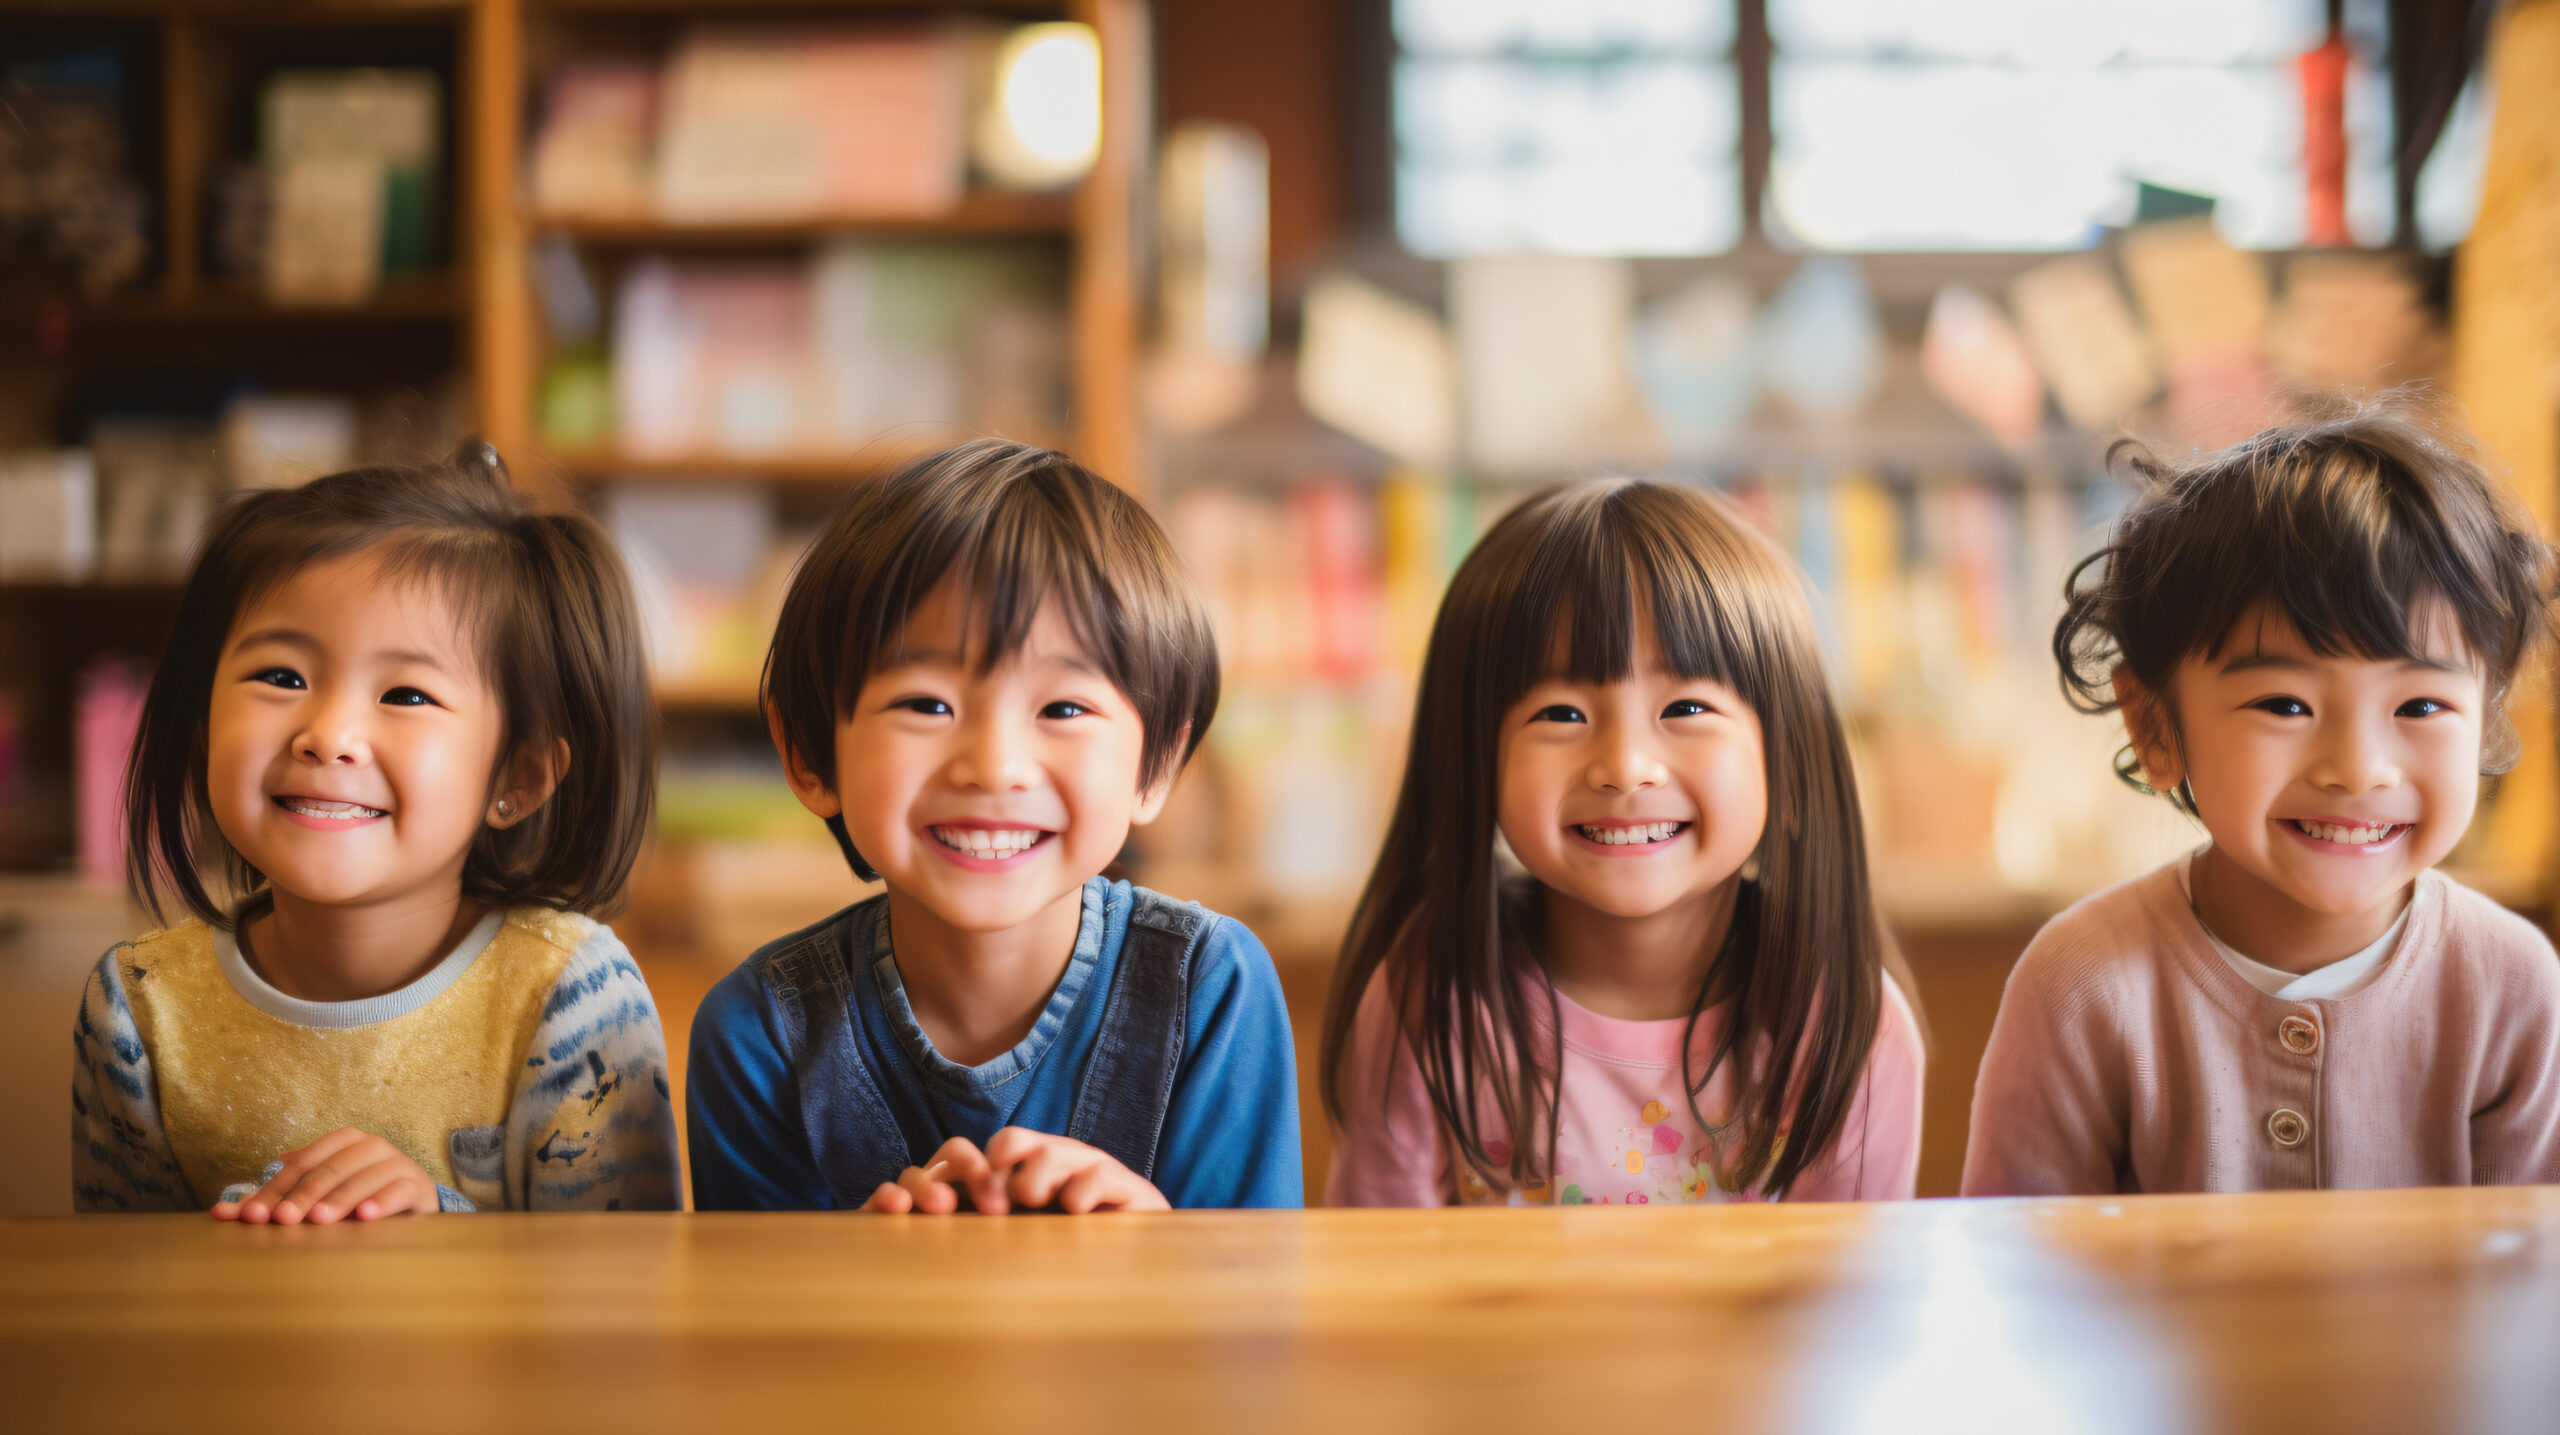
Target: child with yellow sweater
{"points": [[407, 718]]}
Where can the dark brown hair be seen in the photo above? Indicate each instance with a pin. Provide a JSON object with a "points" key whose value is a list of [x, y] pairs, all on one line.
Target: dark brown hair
{"points": [[1021, 526], [1573, 566], [544, 597], [2348, 527]]}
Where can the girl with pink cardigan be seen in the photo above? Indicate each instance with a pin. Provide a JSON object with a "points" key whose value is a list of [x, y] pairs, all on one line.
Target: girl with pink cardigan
{"points": [[2311, 638]]}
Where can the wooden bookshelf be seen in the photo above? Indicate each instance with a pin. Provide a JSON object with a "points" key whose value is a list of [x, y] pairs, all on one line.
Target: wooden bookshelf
{"points": [[192, 69], [871, 461], [427, 300], [981, 214], [1098, 220]]}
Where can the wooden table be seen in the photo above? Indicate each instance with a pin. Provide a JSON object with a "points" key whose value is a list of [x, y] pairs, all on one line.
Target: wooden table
{"points": [[2417, 1311]]}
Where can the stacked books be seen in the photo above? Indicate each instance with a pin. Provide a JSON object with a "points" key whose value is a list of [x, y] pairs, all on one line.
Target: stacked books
{"points": [[350, 159], [747, 124]]}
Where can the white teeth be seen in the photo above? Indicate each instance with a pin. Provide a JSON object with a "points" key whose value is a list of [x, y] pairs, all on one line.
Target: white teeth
{"points": [[1638, 835], [978, 842], [2352, 836], [313, 807]]}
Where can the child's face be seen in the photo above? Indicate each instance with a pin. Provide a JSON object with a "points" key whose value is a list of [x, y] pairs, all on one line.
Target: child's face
{"points": [[351, 738], [1636, 795], [989, 797], [2333, 780]]}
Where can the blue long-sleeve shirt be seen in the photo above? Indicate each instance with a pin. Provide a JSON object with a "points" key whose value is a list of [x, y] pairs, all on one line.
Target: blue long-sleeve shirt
{"points": [[1230, 1136]]}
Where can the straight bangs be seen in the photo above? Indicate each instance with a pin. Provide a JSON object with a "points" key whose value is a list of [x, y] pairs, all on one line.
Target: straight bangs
{"points": [[1556, 589], [1723, 602]]}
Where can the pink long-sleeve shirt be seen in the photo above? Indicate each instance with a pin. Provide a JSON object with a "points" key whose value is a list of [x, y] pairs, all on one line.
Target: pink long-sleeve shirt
{"points": [[2130, 1056], [1624, 1131]]}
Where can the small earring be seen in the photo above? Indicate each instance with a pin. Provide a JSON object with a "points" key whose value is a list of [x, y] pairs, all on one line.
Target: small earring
{"points": [[505, 808]]}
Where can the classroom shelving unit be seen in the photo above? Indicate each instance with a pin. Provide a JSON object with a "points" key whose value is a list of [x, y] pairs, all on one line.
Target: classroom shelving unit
{"points": [[469, 322], [1098, 221]]}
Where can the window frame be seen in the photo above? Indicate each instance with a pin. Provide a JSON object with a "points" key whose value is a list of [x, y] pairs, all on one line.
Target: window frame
{"points": [[1372, 168]]}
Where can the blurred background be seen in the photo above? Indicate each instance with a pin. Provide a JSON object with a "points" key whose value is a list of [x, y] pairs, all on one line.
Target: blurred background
{"points": [[1328, 282]]}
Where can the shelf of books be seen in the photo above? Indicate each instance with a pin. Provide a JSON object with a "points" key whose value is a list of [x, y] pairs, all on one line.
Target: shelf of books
{"points": [[981, 212], [693, 266], [239, 256], [778, 249]]}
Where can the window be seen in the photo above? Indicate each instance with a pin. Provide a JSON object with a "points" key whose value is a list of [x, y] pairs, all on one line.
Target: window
{"points": [[2028, 124], [1595, 127], [1617, 126]]}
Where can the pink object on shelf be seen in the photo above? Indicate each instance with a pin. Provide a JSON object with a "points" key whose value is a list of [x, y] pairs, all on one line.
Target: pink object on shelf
{"points": [[105, 719]]}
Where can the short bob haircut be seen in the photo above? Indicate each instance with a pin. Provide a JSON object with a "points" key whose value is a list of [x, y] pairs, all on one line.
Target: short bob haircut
{"points": [[546, 603], [2351, 527], [1020, 527]]}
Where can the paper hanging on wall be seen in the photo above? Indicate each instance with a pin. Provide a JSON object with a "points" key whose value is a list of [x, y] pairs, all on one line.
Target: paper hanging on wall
{"points": [[1824, 345], [1697, 361], [2198, 294], [1542, 346], [2083, 339], [1972, 355], [2218, 397], [1377, 368], [2351, 321]]}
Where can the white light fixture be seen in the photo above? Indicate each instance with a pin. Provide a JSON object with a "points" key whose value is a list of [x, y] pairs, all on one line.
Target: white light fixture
{"points": [[1041, 122]]}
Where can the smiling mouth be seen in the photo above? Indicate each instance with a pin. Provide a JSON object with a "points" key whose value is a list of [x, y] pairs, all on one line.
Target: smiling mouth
{"points": [[993, 844], [329, 811], [2358, 835], [1640, 834]]}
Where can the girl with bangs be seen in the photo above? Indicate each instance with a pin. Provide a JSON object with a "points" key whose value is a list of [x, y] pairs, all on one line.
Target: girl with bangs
{"points": [[1620, 946], [404, 720]]}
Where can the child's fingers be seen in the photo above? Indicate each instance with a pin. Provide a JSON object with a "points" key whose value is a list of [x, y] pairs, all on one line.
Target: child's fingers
{"points": [[322, 1181], [1039, 1175], [1013, 1144], [304, 1157], [930, 1193], [891, 1199], [1106, 1185], [283, 1193], [961, 1163], [1016, 1147], [375, 1182], [1094, 1188], [411, 1193], [226, 1210], [959, 1159], [262, 1202]]}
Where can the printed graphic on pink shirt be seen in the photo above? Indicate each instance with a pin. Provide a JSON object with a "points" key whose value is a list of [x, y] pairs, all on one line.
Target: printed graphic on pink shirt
{"points": [[1660, 1158]]}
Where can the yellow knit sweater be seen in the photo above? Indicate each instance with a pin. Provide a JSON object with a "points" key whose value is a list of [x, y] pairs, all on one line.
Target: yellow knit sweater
{"points": [[531, 1067]]}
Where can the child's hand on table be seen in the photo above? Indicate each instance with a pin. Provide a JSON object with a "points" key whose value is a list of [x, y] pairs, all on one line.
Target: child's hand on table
{"points": [[1019, 1169], [347, 1173]]}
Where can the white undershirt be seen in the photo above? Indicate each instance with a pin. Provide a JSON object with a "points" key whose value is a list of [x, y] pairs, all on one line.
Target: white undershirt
{"points": [[2343, 977]]}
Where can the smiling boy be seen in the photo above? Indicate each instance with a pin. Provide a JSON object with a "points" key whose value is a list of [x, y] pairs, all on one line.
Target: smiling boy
{"points": [[988, 669]]}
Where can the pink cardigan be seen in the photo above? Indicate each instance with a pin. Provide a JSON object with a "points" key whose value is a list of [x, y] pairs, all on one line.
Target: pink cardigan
{"points": [[2128, 1056]]}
